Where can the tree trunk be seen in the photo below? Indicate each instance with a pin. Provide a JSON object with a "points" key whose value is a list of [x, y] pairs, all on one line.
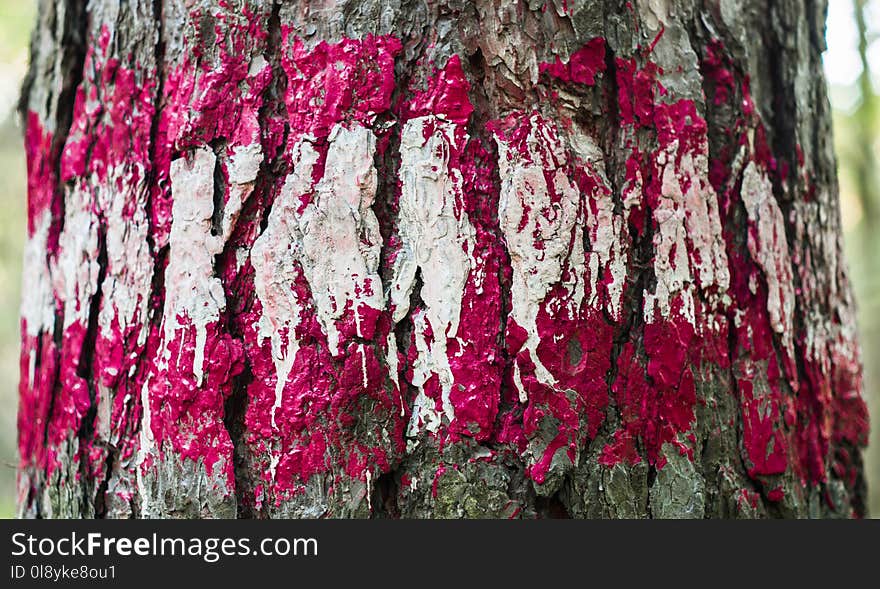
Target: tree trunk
{"points": [[502, 258]]}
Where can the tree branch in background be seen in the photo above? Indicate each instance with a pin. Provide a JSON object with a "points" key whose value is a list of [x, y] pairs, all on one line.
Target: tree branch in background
{"points": [[865, 163]]}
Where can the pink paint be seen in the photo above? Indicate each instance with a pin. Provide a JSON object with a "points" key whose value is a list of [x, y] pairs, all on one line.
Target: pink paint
{"points": [[42, 184], [803, 423], [208, 99], [574, 403], [35, 394], [747, 498], [849, 412], [638, 90], [317, 429], [39, 355], [111, 134], [765, 411], [656, 398], [767, 414], [315, 424], [186, 414], [776, 495], [716, 67], [655, 393], [446, 96], [582, 66], [71, 400], [622, 449], [831, 410], [781, 432], [474, 356], [222, 99], [347, 81], [111, 120], [437, 476]]}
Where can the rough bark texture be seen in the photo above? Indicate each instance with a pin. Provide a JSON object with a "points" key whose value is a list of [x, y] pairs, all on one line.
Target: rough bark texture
{"points": [[495, 258]]}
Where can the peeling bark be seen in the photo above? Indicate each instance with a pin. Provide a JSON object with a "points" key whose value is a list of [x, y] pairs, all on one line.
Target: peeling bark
{"points": [[435, 259]]}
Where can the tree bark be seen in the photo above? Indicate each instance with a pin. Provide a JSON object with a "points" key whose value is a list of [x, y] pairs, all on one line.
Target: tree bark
{"points": [[481, 258]]}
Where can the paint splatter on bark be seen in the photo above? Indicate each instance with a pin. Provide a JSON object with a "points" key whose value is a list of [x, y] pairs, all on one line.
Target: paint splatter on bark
{"points": [[286, 265]]}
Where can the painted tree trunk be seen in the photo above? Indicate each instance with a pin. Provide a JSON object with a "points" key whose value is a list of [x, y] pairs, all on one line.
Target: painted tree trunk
{"points": [[488, 258]]}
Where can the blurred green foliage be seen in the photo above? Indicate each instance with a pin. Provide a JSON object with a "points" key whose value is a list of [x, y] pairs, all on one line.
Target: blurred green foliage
{"points": [[12, 224], [16, 21], [856, 133]]}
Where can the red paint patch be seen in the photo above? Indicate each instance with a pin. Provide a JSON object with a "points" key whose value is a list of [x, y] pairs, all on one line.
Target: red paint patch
{"points": [[582, 66]]}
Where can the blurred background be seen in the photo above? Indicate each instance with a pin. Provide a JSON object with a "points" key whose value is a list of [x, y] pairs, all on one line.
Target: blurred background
{"points": [[852, 65], [16, 20]]}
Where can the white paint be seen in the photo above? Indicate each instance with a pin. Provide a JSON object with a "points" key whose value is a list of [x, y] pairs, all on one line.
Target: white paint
{"points": [[703, 223], [394, 367], [193, 295], [551, 237], [241, 169], [688, 242], [437, 238], [369, 484], [365, 379], [769, 248], [37, 304], [273, 464], [130, 266], [147, 442], [424, 413], [817, 243], [341, 243], [75, 271], [258, 63], [274, 257], [671, 265], [335, 239], [605, 229]]}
